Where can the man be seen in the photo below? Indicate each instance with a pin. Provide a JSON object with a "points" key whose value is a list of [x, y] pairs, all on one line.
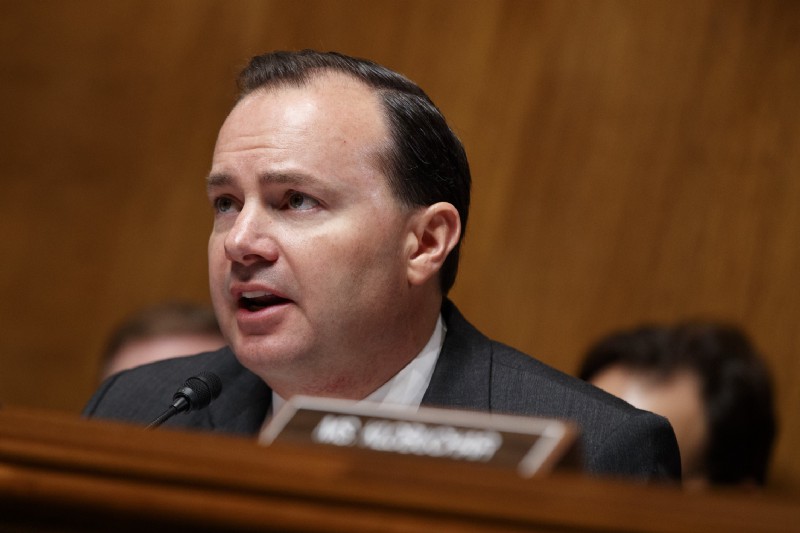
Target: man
{"points": [[709, 381], [340, 197]]}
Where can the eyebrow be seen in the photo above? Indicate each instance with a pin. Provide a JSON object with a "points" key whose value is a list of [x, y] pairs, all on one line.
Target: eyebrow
{"points": [[214, 181]]}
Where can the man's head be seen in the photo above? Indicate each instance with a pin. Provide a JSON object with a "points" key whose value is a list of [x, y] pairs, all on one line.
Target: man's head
{"points": [[340, 197], [163, 331], [709, 381], [423, 160]]}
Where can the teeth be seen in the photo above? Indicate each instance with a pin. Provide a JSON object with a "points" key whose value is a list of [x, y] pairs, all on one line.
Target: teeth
{"points": [[255, 294]]}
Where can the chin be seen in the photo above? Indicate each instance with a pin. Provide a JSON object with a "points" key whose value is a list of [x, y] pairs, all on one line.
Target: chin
{"points": [[260, 355]]}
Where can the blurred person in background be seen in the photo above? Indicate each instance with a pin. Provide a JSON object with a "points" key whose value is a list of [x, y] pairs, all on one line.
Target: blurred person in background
{"points": [[709, 381], [163, 331]]}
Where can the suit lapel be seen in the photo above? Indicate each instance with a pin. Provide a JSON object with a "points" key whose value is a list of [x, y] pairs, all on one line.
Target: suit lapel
{"points": [[461, 376]]}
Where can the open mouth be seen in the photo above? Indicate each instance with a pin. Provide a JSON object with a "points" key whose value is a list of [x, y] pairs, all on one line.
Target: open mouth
{"points": [[257, 300]]}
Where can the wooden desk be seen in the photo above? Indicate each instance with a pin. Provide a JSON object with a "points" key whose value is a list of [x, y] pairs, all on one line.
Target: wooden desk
{"points": [[61, 473]]}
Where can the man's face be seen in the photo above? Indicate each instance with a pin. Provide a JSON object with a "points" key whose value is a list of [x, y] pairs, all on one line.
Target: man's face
{"points": [[308, 250]]}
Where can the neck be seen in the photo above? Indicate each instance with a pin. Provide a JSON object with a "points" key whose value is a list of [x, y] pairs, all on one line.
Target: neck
{"points": [[376, 364]]}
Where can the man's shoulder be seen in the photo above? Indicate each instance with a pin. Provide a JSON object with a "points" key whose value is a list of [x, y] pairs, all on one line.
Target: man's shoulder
{"points": [[516, 381], [503, 378], [618, 439], [481, 373], [525, 385], [528, 385]]}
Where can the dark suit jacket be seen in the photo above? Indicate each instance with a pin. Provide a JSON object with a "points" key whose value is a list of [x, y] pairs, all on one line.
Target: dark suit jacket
{"points": [[473, 372]]}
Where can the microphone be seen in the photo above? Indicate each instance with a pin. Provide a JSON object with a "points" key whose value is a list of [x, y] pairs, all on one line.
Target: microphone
{"points": [[196, 393]]}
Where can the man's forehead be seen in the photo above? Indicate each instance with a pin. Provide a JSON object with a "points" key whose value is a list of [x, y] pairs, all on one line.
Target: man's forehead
{"points": [[331, 88], [328, 103], [333, 119]]}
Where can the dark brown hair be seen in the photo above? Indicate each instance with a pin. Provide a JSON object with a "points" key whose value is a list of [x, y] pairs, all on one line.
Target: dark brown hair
{"points": [[736, 388]]}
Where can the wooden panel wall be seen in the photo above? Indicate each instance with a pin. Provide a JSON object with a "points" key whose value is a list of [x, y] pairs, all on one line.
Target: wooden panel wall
{"points": [[633, 161]]}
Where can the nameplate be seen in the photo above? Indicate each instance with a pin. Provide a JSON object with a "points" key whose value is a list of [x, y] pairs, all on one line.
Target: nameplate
{"points": [[532, 446]]}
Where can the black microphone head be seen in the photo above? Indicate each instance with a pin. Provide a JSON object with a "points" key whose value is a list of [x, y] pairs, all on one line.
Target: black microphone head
{"points": [[199, 390]]}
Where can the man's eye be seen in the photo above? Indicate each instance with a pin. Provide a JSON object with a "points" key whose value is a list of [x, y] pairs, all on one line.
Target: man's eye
{"points": [[299, 201], [223, 204]]}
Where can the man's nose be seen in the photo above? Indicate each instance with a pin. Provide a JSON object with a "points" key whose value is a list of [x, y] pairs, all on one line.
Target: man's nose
{"points": [[250, 239]]}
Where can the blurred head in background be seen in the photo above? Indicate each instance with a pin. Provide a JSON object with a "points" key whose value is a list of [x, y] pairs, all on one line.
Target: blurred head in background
{"points": [[709, 381], [167, 330]]}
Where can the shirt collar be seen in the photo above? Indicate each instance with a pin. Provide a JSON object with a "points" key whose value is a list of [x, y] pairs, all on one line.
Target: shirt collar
{"points": [[408, 386]]}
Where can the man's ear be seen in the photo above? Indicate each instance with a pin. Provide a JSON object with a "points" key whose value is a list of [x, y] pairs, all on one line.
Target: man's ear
{"points": [[435, 231]]}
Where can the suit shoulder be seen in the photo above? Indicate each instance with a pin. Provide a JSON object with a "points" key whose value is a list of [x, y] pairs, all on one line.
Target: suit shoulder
{"points": [[533, 387], [618, 439]]}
